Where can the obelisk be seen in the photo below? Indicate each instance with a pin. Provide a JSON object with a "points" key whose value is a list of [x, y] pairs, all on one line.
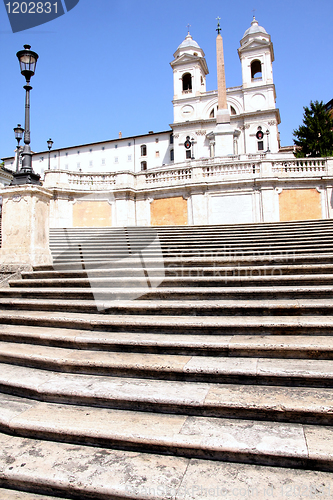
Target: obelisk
{"points": [[223, 131]]}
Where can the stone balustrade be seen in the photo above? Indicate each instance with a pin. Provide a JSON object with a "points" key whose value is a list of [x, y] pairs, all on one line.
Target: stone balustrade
{"points": [[195, 171]]}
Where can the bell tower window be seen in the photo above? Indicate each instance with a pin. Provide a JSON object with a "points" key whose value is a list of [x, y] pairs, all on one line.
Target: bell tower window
{"points": [[256, 70], [187, 82]]}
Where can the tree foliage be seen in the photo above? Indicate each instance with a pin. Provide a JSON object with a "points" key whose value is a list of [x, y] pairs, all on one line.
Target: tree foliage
{"points": [[315, 137]]}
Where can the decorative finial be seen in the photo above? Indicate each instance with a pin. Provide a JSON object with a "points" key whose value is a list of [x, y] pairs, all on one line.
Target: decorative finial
{"points": [[218, 29], [254, 11], [188, 28]]}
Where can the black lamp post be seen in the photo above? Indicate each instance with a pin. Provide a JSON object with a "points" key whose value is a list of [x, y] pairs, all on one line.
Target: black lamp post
{"points": [[18, 131], [27, 59], [267, 133], [49, 145]]}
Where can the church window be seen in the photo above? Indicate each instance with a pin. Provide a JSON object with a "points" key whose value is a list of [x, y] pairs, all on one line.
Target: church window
{"points": [[212, 113], [172, 155], [187, 82], [232, 110], [188, 154], [256, 71], [143, 150], [157, 154], [129, 144], [260, 145], [171, 138], [143, 165]]}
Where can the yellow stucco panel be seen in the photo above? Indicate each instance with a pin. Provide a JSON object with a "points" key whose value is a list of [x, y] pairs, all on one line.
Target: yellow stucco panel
{"points": [[299, 204], [169, 211], [92, 214]]}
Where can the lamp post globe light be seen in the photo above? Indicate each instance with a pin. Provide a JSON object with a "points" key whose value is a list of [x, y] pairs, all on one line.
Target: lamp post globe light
{"points": [[18, 131], [49, 145], [27, 59]]}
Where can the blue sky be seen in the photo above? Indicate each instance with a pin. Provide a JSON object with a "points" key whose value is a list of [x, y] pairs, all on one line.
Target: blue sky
{"points": [[104, 66]]}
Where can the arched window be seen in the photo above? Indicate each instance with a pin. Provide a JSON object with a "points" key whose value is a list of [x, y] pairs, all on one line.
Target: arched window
{"points": [[232, 110], [187, 82], [143, 165], [143, 150], [172, 155], [256, 71], [212, 113]]}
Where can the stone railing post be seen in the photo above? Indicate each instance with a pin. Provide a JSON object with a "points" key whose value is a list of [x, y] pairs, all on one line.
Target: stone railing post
{"points": [[25, 226]]}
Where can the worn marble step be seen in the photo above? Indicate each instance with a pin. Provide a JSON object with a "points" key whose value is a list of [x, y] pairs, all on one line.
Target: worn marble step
{"points": [[204, 259], [235, 440], [178, 293], [98, 301], [246, 325], [45, 466], [14, 494], [177, 270], [222, 369], [67, 254], [260, 402], [178, 281], [279, 346]]}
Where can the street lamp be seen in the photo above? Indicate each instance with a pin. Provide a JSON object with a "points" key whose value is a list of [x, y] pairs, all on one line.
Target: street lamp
{"points": [[18, 131], [49, 145], [267, 133], [27, 59]]}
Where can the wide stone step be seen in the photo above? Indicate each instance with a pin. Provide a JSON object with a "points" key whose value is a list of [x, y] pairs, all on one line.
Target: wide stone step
{"points": [[177, 270], [278, 346], [247, 325], [178, 281], [119, 474], [175, 293], [204, 259], [261, 402], [296, 372], [15, 494], [245, 441], [98, 301]]}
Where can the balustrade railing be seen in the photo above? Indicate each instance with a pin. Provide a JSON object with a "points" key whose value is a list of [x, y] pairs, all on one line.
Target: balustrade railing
{"points": [[300, 166], [91, 181]]}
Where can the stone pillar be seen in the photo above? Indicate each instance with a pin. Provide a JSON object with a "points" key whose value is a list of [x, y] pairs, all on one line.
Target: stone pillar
{"points": [[25, 226]]}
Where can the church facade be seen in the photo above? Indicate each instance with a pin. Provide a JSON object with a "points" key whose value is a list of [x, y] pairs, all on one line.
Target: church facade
{"points": [[220, 162]]}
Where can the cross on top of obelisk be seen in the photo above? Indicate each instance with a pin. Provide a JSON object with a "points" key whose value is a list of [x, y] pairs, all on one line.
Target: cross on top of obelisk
{"points": [[218, 29]]}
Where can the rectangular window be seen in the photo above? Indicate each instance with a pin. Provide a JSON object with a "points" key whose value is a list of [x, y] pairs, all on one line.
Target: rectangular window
{"points": [[171, 138], [156, 140], [129, 144], [103, 161], [157, 154], [188, 154], [116, 146], [90, 164], [78, 165], [116, 159], [129, 158], [260, 145]]}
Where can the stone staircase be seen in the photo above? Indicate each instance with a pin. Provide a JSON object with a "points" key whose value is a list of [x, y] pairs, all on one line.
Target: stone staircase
{"points": [[171, 363]]}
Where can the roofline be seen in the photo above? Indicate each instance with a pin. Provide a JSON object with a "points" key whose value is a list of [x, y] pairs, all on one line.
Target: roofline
{"points": [[96, 143]]}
